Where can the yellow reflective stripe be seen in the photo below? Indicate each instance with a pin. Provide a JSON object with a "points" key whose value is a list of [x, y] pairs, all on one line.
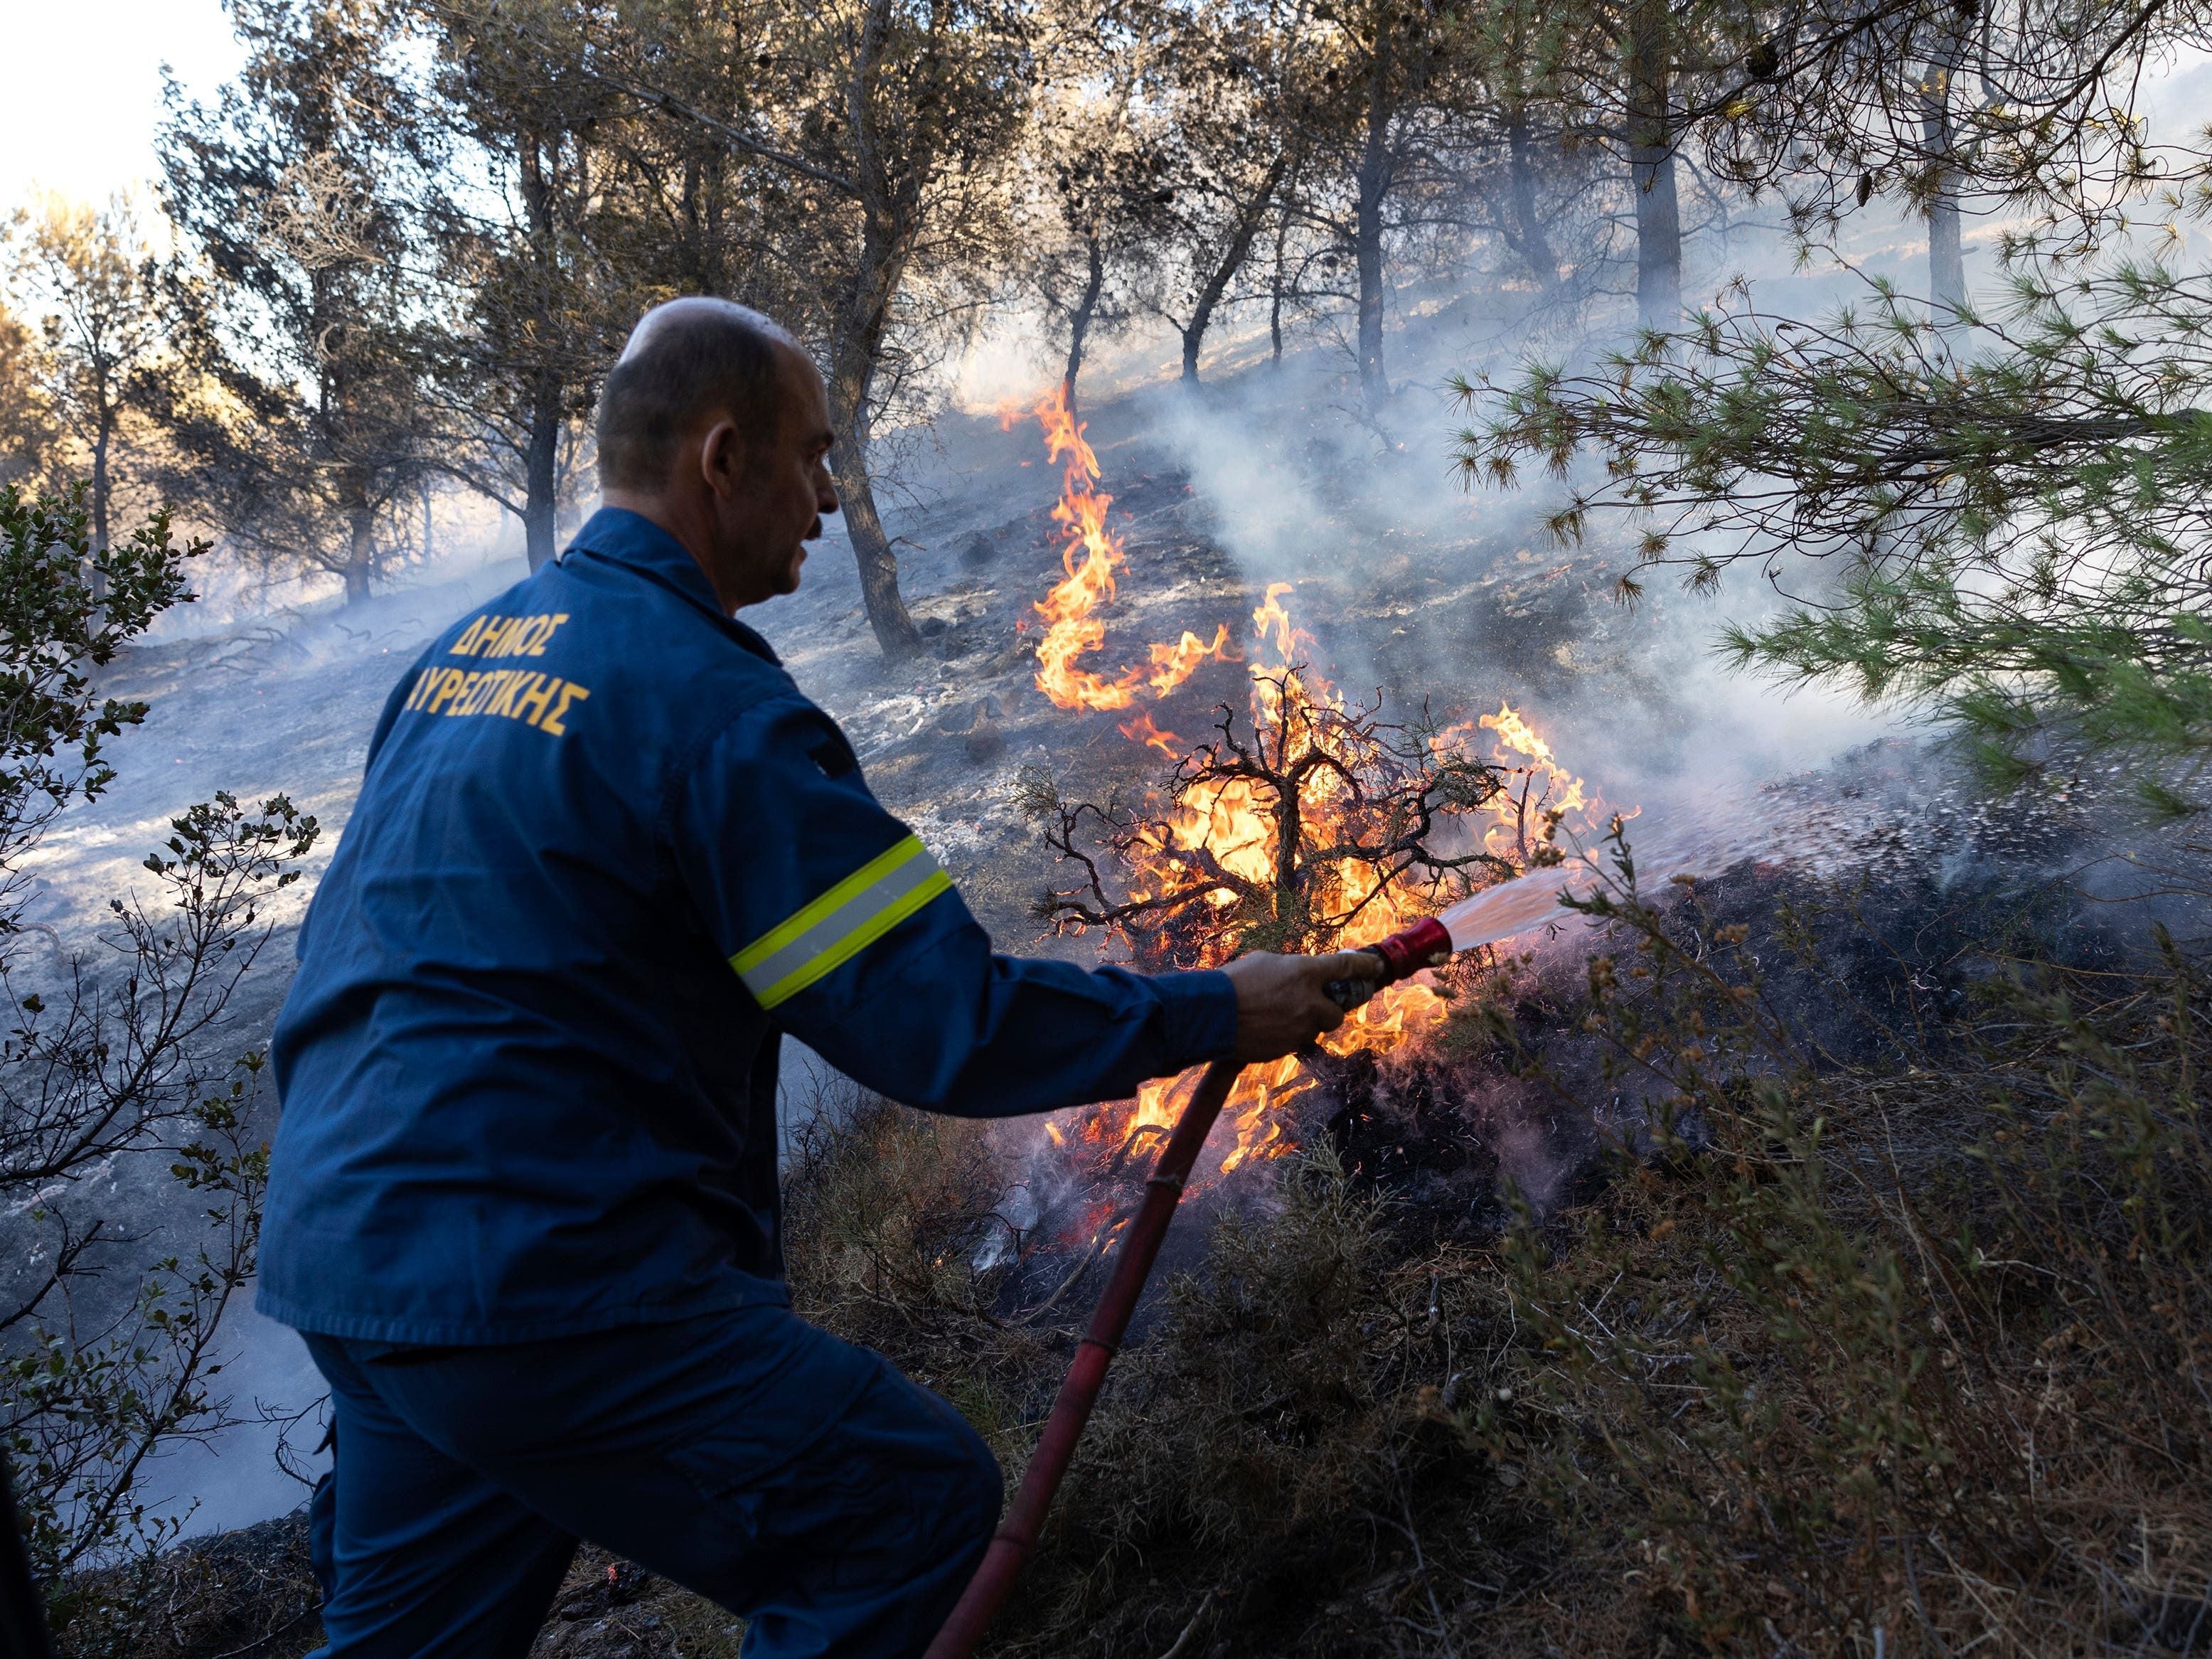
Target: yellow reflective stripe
{"points": [[844, 921], [786, 931], [857, 940]]}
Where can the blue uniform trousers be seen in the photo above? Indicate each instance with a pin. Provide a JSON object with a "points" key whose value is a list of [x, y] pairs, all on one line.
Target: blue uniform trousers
{"points": [[797, 1481]]}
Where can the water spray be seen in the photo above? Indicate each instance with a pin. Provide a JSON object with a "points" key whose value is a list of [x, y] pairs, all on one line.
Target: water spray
{"points": [[1494, 913]]}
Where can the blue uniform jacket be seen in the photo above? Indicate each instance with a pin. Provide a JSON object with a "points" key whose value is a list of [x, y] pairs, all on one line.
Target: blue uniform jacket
{"points": [[604, 853]]}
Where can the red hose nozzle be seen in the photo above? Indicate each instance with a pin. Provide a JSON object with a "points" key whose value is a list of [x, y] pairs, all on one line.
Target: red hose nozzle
{"points": [[1426, 943]]}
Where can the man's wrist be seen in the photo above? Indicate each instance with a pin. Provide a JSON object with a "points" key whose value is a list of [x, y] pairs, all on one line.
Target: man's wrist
{"points": [[1201, 1009]]}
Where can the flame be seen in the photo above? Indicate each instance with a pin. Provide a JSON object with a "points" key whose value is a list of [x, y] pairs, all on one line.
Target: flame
{"points": [[1232, 822], [1089, 558], [1540, 794], [1174, 663], [1273, 623], [1142, 728]]}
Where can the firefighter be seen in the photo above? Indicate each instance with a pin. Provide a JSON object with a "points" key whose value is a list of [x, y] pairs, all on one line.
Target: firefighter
{"points": [[523, 1200]]}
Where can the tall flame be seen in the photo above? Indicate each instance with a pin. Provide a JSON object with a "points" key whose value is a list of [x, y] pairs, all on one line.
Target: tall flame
{"points": [[1540, 795], [1090, 554]]}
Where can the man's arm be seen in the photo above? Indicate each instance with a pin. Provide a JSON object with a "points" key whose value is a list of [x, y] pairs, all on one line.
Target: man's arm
{"points": [[843, 928]]}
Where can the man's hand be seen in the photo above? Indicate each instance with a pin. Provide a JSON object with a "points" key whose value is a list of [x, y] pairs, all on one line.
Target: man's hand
{"points": [[1281, 1004]]}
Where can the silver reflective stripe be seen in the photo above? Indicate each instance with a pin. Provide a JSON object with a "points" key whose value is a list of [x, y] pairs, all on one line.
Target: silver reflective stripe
{"points": [[840, 924]]}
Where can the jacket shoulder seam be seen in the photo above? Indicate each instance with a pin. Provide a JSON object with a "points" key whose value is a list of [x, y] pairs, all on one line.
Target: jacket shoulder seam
{"points": [[685, 763]]}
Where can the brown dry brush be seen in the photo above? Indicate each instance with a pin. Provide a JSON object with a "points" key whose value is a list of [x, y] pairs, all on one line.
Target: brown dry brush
{"points": [[1903, 1360], [252, 1591], [1269, 1460]]}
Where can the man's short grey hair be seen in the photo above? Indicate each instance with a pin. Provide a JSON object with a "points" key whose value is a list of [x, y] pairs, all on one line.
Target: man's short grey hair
{"points": [[686, 360]]}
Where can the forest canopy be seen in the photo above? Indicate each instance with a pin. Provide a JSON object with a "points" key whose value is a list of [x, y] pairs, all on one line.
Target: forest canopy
{"points": [[405, 242]]}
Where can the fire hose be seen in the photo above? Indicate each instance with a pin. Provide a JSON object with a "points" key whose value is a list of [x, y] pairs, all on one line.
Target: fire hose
{"points": [[1403, 954]]}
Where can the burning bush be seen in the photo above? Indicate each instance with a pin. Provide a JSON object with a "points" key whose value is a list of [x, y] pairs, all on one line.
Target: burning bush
{"points": [[1312, 823]]}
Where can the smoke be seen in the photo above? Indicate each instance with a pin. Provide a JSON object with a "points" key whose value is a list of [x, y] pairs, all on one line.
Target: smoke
{"points": [[1411, 582], [234, 1479]]}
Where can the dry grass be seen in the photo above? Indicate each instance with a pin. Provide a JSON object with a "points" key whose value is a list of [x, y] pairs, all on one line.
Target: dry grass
{"points": [[248, 1592], [1902, 1361]]}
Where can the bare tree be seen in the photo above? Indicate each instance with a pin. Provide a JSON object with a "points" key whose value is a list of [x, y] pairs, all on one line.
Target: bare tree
{"points": [[1345, 812]]}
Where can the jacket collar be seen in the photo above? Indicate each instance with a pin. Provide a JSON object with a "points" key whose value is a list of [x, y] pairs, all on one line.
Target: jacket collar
{"points": [[634, 542]]}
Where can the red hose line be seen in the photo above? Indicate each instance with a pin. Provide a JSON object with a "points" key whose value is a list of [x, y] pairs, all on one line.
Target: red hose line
{"points": [[1016, 1537]]}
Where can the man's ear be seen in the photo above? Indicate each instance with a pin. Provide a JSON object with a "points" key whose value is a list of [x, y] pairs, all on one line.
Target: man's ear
{"points": [[725, 458]]}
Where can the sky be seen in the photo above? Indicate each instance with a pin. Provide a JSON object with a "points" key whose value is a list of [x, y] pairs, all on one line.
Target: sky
{"points": [[81, 89]]}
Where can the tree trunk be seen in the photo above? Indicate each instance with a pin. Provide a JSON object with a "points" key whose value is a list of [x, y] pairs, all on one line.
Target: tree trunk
{"points": [[1529, 240], [879, 585], [541, 497], [890, 219], [424, 486], [1947, 262], [360, 535], [1374, 182], [1651, 169], [361, 558], [101, 484], [1079, 321], [1275, 295], [1232, 259], [542, 501], [855, 353], [888, 616]]}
